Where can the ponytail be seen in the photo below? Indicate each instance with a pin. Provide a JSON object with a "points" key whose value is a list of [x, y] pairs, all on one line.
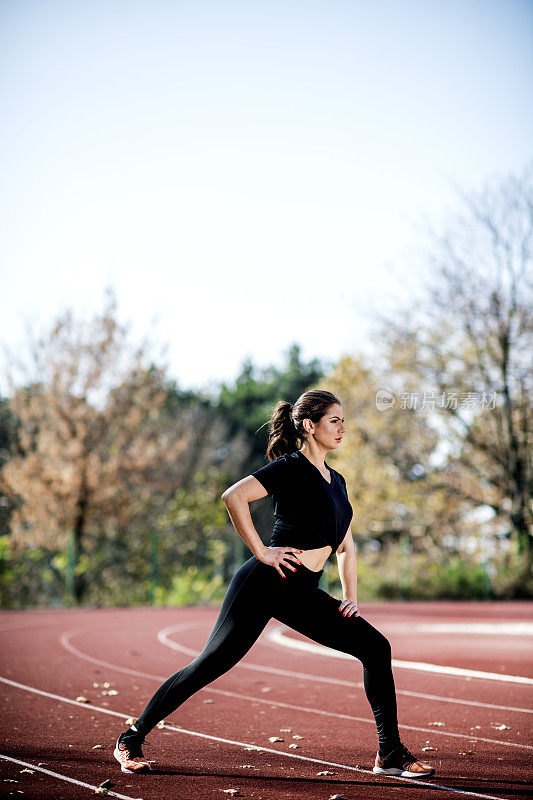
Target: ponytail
{"points": [[282, 437]]}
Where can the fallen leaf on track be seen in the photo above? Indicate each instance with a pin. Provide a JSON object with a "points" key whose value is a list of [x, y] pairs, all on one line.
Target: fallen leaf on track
{"points": [[466, 752], [501, 727], [293, 746], [110, 692], [297, 737], [436, 723], [31, 771], [232, 792], [325, 772], [97, 746], [429, 748], [130, 721], [82, 699], [160, 724], [274, 739]]}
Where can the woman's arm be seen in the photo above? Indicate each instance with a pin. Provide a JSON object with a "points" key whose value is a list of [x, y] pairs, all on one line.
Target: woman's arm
{"points": [[237, 499], [347, 564]]}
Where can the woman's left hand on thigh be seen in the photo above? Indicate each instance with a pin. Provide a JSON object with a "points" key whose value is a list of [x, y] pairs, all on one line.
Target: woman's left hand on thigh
{"points": [[348, 608]]}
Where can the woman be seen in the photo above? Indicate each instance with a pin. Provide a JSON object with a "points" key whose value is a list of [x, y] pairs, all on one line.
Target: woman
{"points": [[312, 519]]}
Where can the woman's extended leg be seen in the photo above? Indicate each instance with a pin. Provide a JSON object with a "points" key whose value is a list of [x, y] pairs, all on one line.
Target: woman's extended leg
{"points": [[243, 615], [316, 614]]}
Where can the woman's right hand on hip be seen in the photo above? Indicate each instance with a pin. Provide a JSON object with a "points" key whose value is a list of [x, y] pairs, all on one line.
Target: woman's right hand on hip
{"points": [[277, 556]]}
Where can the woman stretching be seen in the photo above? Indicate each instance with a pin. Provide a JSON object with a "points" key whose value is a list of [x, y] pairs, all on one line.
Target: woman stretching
{"points": [[312, 520]]}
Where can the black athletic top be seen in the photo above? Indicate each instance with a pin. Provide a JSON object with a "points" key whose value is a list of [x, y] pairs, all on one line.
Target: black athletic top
{"points": [[308, 511]]}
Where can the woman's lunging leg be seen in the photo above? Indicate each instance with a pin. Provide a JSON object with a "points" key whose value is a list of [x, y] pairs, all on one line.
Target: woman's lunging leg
{"points": [[242, 617], [318, 617]]}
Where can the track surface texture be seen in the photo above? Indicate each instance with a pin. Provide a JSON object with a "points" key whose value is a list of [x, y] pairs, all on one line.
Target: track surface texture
{"points": [[53, 746]]}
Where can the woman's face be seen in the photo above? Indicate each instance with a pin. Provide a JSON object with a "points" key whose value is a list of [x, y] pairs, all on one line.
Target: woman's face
{"points": [[329, 430]]}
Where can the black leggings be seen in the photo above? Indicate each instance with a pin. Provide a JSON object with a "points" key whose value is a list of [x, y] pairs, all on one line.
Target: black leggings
{"points": [[256, 593]]}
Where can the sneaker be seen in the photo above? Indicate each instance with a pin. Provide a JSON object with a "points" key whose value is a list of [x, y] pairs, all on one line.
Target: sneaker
{"points": [[129, 755], [402, 762]]}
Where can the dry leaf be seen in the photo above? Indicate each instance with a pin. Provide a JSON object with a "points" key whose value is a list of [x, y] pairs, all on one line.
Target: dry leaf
{"points": [[297, 737], [82, 699], [466, 752], [110, 692], [429, 748], [9, 780], [131, 721], [100, 790], [31, 771], [475, 728], [274, 739], [502, 727], [436, 723], [293, 746], [97, 746], [326, 772], [286, 730], [209, 701], [337, 797], [232, 792], [106, 685], [160, 724], [266, 689], [247, 766]]}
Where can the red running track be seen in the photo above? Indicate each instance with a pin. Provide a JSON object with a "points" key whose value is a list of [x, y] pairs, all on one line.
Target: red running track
{"points": [[50, 657]]}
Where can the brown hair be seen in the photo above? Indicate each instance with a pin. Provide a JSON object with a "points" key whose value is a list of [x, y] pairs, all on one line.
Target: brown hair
{"points": [[286, 430]]}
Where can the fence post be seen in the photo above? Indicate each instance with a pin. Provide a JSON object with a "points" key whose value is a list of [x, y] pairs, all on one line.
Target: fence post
{"points": [[154, 569], [405, 577], [487, 568], [71, 567]]}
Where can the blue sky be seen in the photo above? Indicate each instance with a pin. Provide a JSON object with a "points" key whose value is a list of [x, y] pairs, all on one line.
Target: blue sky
{"points": [[245, 175]]}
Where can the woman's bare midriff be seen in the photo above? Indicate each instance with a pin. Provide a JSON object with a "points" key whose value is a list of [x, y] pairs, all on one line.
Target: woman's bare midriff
{"points": [[315, 559]]}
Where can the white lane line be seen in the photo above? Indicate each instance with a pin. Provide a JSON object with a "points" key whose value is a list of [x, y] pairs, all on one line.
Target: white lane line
{"points": [[238, 743], [294, 707], [490, 628], [7, 628], [65, 777], [417, 781], [277, 636], [163, 637]]}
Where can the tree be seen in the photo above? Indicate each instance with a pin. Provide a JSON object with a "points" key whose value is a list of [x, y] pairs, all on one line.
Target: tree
{"points": [[95, 449], [468, 344], [248, 404]]}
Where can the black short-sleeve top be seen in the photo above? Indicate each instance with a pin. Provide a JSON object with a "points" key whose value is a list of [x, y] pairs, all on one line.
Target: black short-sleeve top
{"points": [[309, 512]]}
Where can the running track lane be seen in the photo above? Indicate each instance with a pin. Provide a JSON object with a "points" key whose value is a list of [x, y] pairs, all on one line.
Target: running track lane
{"points": [[202, 750]]}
